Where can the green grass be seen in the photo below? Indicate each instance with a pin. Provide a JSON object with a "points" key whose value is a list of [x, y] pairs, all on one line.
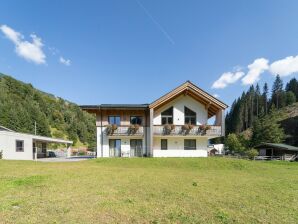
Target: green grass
{"points": [[204, 190]]}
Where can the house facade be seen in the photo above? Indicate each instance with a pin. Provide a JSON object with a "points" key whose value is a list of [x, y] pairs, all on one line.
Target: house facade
{"points": [[175, 125]]}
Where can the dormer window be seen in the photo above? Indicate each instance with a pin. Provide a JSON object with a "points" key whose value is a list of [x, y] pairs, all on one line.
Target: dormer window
{"points": [[167, 116], [190, 116]]}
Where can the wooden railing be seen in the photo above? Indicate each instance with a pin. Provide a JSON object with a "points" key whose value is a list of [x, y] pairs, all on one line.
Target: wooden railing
{"points": [[126, 131], [178, 130]]}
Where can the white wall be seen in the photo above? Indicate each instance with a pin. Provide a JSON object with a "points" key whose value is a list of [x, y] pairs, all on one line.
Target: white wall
{"points": [[178, 110], [125, 143], [8, 146], [176, 147]]}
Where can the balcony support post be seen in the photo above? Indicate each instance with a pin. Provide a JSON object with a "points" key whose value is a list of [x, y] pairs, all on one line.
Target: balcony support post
{"points": [[220, 120]]}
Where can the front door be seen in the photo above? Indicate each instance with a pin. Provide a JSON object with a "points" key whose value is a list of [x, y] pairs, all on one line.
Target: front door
{"points": [[136, 148], [115, 147]]}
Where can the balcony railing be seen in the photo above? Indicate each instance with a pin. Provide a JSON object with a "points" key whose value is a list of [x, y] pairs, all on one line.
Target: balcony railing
{"points": [[179, 130], [126, 131]]}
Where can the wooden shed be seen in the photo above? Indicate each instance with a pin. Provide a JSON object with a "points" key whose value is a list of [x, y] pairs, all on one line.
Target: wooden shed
{"points": [[277, 151]]}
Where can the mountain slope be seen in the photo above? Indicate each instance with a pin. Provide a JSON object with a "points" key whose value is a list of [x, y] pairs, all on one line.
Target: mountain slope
{"points": [[21, 105]]}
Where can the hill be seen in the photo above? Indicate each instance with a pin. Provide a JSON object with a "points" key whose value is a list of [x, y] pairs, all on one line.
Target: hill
{"points": [[21, 105], [288, 118]]}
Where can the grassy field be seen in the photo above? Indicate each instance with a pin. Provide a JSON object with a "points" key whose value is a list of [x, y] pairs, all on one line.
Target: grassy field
{"points": [[205, 190]]}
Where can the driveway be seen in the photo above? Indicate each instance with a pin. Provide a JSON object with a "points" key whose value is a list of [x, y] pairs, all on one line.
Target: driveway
{"points": [[65, 159]]}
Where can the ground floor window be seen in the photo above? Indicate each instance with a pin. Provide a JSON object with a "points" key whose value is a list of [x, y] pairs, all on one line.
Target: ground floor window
{"points": [[163, 144], [115, 147], [136, 147], [190, 144], [19, 146]]}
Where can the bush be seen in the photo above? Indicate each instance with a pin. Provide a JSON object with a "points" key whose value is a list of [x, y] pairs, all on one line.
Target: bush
{"points": [[1, 154], [251, 153]]}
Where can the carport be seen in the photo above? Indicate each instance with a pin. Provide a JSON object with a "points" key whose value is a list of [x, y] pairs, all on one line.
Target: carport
{"points": [[40, 146]]}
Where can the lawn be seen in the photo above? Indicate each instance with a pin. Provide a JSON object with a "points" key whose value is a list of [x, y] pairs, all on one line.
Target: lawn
{"points": [[149, 190]]}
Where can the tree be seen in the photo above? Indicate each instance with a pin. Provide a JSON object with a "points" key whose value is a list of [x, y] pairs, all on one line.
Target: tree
{"points": [[265, 97], [234, 144], [268, 130], [277, 90], [290, 98], [293, 86]]}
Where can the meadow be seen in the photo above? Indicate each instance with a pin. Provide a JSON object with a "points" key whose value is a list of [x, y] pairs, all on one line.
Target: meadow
{"points": [[149, 190]]}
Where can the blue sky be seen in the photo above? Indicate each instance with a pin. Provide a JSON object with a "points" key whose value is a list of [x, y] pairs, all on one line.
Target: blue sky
{"points": [[133, 51]]}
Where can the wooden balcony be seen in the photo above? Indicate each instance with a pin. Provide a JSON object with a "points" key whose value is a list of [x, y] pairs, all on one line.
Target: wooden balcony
{"points": [[178, 130], [125, 131]]}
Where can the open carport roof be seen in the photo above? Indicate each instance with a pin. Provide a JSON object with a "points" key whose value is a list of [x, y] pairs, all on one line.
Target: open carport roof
{"points": [[7, 131]]}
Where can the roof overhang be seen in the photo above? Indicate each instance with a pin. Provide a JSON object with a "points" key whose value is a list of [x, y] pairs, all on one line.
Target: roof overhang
{"points": [[212, 104]]}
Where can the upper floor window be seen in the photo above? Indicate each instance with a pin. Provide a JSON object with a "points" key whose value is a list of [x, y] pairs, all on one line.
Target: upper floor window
{"points": [[136, 120], [19, 146], [114, 120], [167, 116], [190, 116]]}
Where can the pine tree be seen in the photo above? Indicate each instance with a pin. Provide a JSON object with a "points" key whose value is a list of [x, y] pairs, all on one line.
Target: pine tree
{"points": [[277, 91], [265, 98], [293, 86]]}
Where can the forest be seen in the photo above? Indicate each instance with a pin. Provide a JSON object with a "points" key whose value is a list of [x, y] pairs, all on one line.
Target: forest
{"points": [[262, 116], [21, 105]]}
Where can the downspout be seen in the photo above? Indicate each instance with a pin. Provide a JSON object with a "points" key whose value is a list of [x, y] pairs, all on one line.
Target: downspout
{"points": [[145, 132], [101, 134]]}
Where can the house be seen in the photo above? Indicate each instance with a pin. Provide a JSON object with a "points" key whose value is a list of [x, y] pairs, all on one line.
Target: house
{"points": [[20, 146], [175, 125], [279, 151]]}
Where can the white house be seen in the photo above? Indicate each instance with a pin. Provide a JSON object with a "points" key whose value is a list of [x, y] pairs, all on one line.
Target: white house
{"points": [[175, 125], [20, 146]]}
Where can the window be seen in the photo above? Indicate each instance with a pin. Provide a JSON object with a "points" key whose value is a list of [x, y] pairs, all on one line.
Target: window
{"points": [[114, 120], [163, 144], [19, 146], [167, 116], [115, 147], [136, 120], [190, 144], [136, 147], [190, 116]]}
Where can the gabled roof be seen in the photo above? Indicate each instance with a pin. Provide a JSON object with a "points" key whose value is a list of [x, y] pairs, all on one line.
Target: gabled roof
{"points": [[2, 128], [188, 88], [278, 146]]}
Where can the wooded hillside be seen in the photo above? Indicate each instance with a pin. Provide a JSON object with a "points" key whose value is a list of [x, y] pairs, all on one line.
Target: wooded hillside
{"points": [[260, 111], [21, 105]]}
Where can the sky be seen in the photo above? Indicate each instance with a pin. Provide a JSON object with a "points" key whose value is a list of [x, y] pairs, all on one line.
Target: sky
{"points": [[134, 51]]}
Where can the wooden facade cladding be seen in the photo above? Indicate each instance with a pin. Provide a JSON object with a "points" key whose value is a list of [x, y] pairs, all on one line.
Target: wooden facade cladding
{"points": [[124, 116]]}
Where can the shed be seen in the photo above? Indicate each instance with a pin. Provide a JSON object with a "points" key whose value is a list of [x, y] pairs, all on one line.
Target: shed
{"points": [[284, 151]]}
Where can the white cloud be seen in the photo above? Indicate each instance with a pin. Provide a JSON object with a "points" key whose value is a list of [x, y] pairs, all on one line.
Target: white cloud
{"points": [[31, 51], [255, 70], [285, 67], [64, 61], [216, 95], [226, 79]]}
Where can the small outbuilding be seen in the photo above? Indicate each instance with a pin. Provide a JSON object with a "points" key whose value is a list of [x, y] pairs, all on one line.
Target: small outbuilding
{"points": [[277, 151], [21, 146]]}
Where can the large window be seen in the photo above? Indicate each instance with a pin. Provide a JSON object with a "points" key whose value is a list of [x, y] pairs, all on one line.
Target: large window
{"points": [[115, 147], [167, 116], [136, 147], [19, 146], [163, 144], [190, 116], [136, 120], [114, 120], [190, 144]]}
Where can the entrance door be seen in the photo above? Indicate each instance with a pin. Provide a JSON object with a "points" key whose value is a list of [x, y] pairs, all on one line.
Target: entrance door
{"points": [[136, 148], [115, 147]]}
